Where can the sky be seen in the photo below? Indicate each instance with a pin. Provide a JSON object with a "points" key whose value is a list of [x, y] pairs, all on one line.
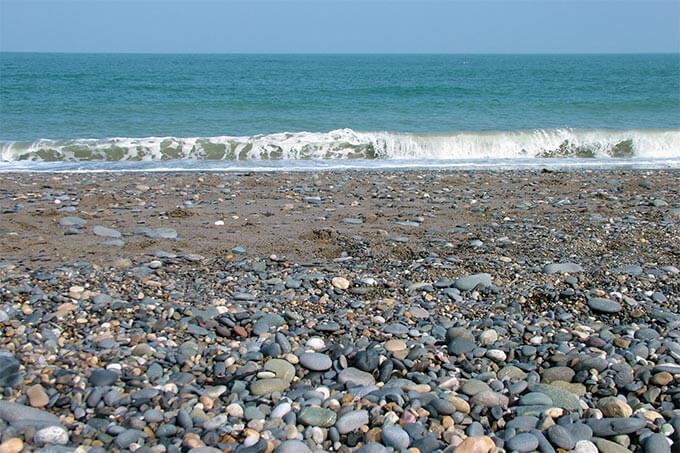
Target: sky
{"points": [[340, 26]]}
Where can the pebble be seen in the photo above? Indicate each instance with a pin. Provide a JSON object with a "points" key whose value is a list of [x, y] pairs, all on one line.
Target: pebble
{"points": [[601, 305], [351, 421], [315, 361]]}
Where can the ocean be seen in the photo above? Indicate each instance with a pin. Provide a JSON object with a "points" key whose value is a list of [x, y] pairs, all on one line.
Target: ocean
{"points": [[96, 112]]}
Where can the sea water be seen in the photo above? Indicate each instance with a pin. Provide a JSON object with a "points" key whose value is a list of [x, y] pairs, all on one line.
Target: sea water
{"points": [[182, 112]]}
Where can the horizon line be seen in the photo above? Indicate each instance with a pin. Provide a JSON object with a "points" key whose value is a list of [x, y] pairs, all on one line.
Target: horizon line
{"points": [[331, 53]]}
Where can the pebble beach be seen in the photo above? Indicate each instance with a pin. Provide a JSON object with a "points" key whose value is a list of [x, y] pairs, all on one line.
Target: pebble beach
{"points": [[342, 311]]}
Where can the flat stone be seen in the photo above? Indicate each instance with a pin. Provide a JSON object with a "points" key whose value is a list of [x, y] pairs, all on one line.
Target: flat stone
{"points": [[476, 444], [601, 305], [394, 345], [106, 232], [489, 398], [473, 281], [522, 443], [292, 446], [266, 386], [72, 221], [355, 377], [20, 416], [613, 426], [656, 443], [607, 446], [560, 397], [614, 407], [281, 368], [315, 361], [461, 345], [317, 416], [561, 437], [394, 436], [562, 268], [351, 421], [37, 396], [9, 370], [535, 399], [558, 373]]}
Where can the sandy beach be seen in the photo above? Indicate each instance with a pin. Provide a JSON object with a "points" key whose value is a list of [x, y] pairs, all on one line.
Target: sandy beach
{"points": [[341, 311]]}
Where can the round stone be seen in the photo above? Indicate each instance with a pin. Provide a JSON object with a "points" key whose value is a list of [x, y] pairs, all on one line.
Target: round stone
{"points": [[51, 435], [340, 283], [281, 368], [614, 407], [37, 396], [522, 443], [395, 345], [355, 377], [12, 445], [395, 437], [317, 416], [476, 444], [351, 421], [560, 437], [293, 446], [267, 386], [315, 361]]}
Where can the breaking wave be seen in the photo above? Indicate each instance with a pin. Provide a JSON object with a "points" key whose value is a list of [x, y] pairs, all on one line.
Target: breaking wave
{"points": [[350, 144]]}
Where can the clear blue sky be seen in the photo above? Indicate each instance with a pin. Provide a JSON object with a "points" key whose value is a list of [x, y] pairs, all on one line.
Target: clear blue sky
{"points": [[364, 26]]}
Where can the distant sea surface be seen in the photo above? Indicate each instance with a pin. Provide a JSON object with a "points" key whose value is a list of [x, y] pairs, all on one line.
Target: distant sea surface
{"points": [[154, 112]]}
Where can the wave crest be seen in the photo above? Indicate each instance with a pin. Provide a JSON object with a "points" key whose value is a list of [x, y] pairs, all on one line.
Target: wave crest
{"points": [[349, 144]]}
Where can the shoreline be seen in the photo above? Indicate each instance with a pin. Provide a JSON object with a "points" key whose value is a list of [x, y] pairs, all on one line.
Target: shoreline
{"points": [[349, 311]]}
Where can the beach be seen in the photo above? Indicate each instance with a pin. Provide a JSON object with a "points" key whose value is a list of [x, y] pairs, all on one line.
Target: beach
{"points": [[372, 311]]}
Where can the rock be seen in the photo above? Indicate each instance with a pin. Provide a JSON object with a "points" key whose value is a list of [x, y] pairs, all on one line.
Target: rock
{"points": [[51, 435], [489, 398], [267, 386], [522, 443], [473, 281], [558, 373], [293, 446], [354, 377], [461, 345], [585, 446], [127, 437], [535, 399], [394, 436], [12, 445], [37, 396], [560, 398], [351, 421], [106, 232], [340, 283], [601, 305], [657, 443], [317, 416], [614, 407], [281, 368], [394, 345], [478, 444], [315, 361], [20, 416], [606, 427], [9, 370], [562, 268], [607, 446], [103, 377], [561, 437], [72, 222]]}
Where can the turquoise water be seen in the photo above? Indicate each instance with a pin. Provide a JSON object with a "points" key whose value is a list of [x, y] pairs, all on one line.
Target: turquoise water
{"points": [[80, 107]]}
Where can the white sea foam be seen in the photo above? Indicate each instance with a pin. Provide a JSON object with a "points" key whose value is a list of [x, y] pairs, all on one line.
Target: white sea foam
{"points": [[349, 144]]}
